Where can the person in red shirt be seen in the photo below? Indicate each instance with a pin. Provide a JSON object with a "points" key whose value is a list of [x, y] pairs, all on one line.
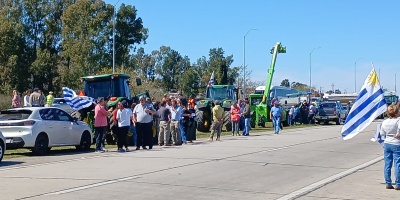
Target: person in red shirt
{"points": [[235, 118], [100, 122]]}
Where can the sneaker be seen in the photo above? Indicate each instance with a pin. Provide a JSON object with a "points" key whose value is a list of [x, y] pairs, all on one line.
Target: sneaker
{"points": [[127, 150], [218, 139], [210, 139], [103, 149], [99, 151], [120, 150]]}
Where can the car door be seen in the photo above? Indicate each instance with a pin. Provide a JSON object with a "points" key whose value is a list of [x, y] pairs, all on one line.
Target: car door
{"points": [[66, 123], [51, 126]]}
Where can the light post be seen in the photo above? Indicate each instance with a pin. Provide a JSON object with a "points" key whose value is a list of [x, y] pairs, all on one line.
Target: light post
{"points": [[355, 75], [114, 19], [244, 60], [310, 64]]}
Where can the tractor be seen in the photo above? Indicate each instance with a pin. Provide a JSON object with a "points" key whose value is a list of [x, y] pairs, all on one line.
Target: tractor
{"points": [[114, 87], [226, 94]]}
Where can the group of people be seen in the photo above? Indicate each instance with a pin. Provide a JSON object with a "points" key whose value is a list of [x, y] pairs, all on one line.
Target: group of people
{"points": [[303, 113], [172, 119], [240, 116], [32, 99]]}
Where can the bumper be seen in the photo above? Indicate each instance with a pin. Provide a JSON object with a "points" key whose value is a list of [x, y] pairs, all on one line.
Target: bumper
{"points": [[326, 118], [14, 142]]}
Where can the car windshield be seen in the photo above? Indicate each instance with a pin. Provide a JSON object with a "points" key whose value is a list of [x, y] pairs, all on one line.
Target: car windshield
{"points": [[220, 94], [327, 105], [256, 101], [15, 114]]}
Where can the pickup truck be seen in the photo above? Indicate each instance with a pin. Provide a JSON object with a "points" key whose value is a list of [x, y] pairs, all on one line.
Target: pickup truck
{"points": [[330, 111]]}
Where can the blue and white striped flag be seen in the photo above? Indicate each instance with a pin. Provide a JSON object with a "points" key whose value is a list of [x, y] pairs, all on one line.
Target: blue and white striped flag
{"points": [[76, 102], [369, 104], [211, 82], [377, 136]]}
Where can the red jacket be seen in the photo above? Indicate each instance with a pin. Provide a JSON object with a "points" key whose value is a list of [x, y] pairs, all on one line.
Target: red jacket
{"points": [[235, 114]]}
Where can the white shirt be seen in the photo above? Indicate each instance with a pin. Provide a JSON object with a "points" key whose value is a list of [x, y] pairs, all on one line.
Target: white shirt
{"points": [[26, 101], [124, 117], [390, 127]]}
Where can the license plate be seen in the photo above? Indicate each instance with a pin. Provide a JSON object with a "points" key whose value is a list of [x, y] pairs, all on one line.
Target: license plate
{"points": [[324, 117], [9, 140]]}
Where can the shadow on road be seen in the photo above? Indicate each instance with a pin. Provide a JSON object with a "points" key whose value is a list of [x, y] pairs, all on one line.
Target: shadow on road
{"points": [[9, 163]]}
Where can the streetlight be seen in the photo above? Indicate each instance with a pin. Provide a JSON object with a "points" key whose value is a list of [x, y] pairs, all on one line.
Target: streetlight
{"points": [[114, 19], [355, 75], [244, 60], [310, 63]]}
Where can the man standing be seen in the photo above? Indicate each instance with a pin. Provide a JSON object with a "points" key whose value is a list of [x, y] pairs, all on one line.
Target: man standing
{"points": [[176, 115], [247, 118], [165, 119], [100, 123], [143, 120], [50, 99], [34, 98], [275, 115], [218, 120], [311, 114]]}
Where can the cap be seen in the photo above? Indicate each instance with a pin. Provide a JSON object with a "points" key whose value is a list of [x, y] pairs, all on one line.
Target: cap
{"points": [[217, 102], [276, 103], [36, 89], [50, 92], [100, 99], [123, 102]]}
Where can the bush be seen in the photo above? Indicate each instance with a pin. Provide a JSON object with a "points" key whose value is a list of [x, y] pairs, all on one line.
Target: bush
{"points": [[5, 101]]}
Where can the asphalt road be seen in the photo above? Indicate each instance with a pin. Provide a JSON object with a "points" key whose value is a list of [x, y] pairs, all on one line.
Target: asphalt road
{"points": [[298, 163]]}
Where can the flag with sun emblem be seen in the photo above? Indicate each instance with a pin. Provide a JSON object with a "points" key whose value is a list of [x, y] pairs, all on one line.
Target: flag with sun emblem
{"points": [[369, 104]]}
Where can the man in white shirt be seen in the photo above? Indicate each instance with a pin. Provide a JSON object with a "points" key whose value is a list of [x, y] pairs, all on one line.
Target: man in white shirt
{"points": [[124, 117]]}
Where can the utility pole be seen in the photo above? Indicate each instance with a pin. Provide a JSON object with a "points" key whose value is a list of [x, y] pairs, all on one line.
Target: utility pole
{"points": [[395, 84], [333, 86], [244, 60], [114, 19]]}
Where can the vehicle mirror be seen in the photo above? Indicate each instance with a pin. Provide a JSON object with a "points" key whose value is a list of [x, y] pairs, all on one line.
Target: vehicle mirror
{"points": [[138, 81]]}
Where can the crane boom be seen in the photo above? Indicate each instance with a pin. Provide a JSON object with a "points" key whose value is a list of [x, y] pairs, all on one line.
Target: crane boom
{"points": [[278, 48]]}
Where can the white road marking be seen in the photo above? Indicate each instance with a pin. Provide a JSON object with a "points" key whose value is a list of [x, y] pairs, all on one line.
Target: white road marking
{"points": [[305, 190], [90, 186]]}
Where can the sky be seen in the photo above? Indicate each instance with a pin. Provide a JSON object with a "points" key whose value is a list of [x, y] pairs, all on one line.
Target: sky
{"points": [[347, 35]]}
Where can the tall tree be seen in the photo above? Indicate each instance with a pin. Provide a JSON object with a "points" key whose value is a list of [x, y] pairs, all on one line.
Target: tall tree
{"points": [[220, 64], [285, 83]]}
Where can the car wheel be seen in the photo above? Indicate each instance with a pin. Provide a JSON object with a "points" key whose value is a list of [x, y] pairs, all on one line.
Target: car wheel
{"points": [[326, 122], [86, 142], [41, 145], [1, 151]]}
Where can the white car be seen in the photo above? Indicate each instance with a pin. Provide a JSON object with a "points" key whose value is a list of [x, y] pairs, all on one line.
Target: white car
{"points": [[2, 146], [40, 128]]}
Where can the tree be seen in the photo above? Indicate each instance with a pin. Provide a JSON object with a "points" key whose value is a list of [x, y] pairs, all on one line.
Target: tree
{"points": [[285, 83], [220, 65]]}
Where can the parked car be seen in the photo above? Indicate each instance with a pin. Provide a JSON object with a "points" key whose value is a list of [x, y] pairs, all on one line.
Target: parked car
{"points": [[330, 111], [62, 104], [2, 146], [40, 128]]}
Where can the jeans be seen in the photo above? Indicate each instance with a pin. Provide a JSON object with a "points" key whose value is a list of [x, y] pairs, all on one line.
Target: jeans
{"points": [[99, 136], [132, 129], [392, 155], [276, 121], [235, 127], [246, 129], [289, 120], [181, 129]]}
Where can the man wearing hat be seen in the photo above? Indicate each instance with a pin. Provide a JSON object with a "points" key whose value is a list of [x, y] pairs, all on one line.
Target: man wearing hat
{"points": [[50, 99], [247, 118], [275, 115], [218, 120]]}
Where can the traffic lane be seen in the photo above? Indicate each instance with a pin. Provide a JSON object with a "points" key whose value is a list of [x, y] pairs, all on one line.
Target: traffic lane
{"points": [[367, 183], [221, 175]]}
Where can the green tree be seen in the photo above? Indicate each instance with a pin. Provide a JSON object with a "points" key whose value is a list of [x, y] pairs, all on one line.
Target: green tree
{"points": [[285, 83], [220, 65]]}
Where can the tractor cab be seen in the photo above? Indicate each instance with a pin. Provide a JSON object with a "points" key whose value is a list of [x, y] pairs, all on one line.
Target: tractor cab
{"points": [[115, 87], [224, 93]]}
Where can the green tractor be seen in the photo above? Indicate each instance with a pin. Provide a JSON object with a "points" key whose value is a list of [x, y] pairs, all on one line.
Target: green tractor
{"points": [[115, 87], [226, 94], [258, 117]]}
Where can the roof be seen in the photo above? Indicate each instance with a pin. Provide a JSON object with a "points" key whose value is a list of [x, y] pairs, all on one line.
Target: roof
{"points": [[222, 86], [105, 76]]}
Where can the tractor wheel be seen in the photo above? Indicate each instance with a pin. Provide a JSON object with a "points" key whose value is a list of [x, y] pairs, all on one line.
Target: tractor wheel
{"points": [[227, 121], [201, 122], [253, 120]]}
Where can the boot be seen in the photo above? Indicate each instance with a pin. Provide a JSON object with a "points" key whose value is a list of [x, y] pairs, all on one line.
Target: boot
{"points": [[218, 139], [210, 139]]}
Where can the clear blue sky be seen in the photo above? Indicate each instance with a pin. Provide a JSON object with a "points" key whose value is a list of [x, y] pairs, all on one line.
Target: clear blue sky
{"points": [[344, 29]]}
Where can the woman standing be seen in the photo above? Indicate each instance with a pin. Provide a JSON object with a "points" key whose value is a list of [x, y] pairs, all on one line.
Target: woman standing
{"points": [[189, 124], [235, 118], [391, 131], [16, 100], [26, 98]]}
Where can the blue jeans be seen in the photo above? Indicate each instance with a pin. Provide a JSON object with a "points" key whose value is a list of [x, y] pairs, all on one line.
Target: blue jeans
{"points": [[276, 121], [392, 154], [235, 127], [132, 129], [183, 135], [246, 129], [289, 120]]}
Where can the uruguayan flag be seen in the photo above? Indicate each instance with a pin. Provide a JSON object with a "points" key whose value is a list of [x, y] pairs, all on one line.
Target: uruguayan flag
{"points": [[76, 102], [211, 82], [369, 104], [377, 136]]}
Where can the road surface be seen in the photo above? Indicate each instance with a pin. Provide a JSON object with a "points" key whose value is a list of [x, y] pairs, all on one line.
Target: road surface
{"points": [[306, 163]]}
